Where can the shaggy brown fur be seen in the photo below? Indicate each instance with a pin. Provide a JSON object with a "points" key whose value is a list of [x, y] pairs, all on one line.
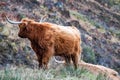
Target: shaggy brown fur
{"points": [[49, 40]]}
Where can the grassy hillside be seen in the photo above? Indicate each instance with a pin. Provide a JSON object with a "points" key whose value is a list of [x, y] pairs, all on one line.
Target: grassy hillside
{"points": [[51, 74], [97, 20]]}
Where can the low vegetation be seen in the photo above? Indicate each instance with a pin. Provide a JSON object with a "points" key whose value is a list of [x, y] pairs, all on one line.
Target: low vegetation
{"points": [[84, 18], [89, 55], [110, 2], [52, 74]]}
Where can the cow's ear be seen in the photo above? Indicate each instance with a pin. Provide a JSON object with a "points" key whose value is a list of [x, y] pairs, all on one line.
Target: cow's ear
{"points": [[22, 25]]}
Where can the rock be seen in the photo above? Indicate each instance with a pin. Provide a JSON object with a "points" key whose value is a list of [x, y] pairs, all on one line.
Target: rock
{"points": [[5, 31], [3, 4], [98, 69], [89, 38], [65, 13], [74, 23], [1, 24]]}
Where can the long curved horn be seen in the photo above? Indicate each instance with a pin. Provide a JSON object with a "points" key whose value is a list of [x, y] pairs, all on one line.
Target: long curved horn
{"points": [[12, 22], [43, 18], [58, 61]]}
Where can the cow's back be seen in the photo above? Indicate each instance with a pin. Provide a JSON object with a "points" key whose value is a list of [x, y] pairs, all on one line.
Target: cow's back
{"points": [[66, 38]]}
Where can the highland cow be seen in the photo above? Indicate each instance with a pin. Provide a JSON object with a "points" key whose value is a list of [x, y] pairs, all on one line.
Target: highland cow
{"points": [[48, 39]]}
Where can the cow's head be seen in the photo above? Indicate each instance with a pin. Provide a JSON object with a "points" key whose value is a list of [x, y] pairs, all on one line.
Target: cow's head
{"points": [[24, 26]]}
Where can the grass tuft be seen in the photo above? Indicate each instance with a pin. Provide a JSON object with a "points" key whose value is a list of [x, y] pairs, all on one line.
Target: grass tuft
{"points": [[67, 73]]}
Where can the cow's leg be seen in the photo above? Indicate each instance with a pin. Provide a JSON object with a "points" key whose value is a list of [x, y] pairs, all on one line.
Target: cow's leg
{"points": [[46, 57], [39, 60], [37, 50], [67, 60], [75, 59], [45, 60]]}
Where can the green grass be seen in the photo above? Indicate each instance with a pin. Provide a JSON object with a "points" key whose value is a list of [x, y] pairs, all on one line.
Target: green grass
{"points": [[51, 74], [85, 19], [111, 2], [89, 55], [114, 32]]}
